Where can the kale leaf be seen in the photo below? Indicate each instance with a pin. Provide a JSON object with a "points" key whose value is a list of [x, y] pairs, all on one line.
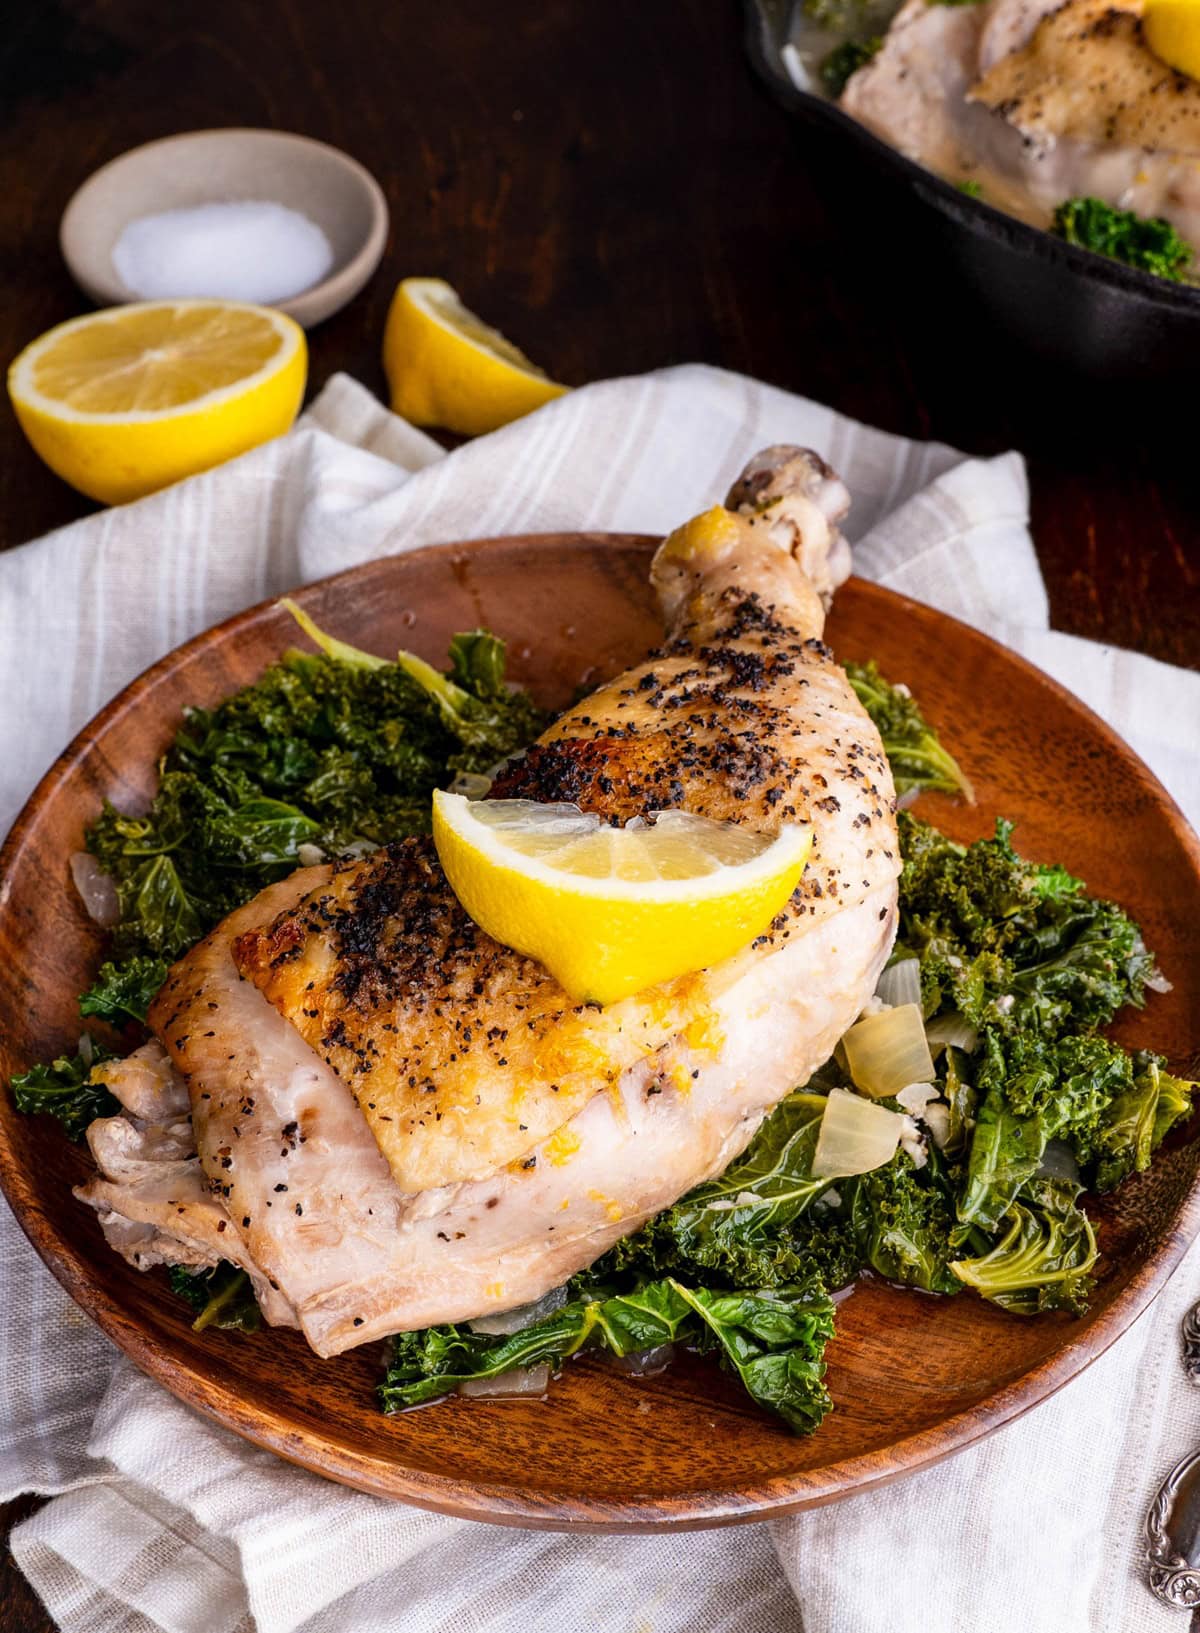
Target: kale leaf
{"points": [[64, 1089], [222, 1297], [123, 991], [1137, 1120], [919, 762], [1112, 1109], [771, 1339], [1044, 1256]]}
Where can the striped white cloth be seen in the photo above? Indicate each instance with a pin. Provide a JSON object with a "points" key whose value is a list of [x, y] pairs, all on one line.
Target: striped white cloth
{"points": [[159, 1520]]}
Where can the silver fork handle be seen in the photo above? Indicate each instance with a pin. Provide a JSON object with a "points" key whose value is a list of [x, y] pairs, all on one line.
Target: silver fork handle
{"points": [[1171, 1578], [1189, 1329]]}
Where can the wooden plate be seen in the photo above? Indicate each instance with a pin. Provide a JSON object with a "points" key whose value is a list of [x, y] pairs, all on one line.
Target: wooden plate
{"points": [[914, 1377]]}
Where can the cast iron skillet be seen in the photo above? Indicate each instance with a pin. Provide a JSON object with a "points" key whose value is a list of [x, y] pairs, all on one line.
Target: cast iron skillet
{"points": [[1089, 313]]}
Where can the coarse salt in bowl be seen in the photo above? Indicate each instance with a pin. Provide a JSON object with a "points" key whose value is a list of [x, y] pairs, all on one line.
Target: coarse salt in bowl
{"points": [[240, 209], [246, 250]]}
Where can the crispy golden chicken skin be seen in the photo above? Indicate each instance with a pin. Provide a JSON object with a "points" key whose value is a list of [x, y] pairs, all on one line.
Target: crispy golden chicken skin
{"points": [[464, 1054]]}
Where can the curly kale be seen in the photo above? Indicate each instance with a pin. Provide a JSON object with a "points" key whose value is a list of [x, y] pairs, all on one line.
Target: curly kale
{"points": [[1149, 243], [122, 992], [64, 1089], [328, 751], [903, 1218], [919, 762], [1010, 943]]}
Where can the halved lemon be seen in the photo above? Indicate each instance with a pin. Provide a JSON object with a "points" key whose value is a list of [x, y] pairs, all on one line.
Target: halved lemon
{"points": [[1172, 31], [609, 911], [447, 367], [122, 402]]}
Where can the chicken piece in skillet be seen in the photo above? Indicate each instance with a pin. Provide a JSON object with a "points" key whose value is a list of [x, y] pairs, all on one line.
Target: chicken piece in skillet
{"points": [[406, 1122], [1038, 102]]}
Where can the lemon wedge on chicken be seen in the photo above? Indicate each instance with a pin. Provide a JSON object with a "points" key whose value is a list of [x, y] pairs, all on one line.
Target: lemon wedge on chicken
{"points": [[124, 401], [610, 911], [446, 367], [1172, 31]]}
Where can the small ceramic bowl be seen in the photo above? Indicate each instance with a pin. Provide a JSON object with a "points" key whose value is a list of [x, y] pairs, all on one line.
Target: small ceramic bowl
{"points": [[220, 166]]}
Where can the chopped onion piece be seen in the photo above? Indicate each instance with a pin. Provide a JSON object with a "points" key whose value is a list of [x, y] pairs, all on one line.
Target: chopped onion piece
{"points": [[472, 784], [744, 1199], [521, 1381], [886, 1052], [900, 983], [1157, 981], [913, 1143], [915, 1097], [309, 855], [510, 1321], [936, 1118], [951, 1031], [97, 890], [855, 1136], [645, 1363]]}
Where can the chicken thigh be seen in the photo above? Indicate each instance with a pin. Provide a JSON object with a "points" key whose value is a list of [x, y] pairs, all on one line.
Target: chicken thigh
{"points": [[405, 1122]]}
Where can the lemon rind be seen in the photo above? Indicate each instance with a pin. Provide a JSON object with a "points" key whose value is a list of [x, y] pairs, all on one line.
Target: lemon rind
{"points": [[497, 347]]}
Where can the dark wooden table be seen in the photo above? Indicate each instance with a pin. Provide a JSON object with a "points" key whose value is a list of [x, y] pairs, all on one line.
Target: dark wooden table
{"points": [[610, 186]]}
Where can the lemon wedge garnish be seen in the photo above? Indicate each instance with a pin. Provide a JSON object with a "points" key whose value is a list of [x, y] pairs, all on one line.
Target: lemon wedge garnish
{"points": [[124, 401], [447, 367], [609, 911], [1172, 31]]}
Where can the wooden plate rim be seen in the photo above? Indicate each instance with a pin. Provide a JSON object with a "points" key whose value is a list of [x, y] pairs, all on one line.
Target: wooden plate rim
{"points": [[509, 1505]]}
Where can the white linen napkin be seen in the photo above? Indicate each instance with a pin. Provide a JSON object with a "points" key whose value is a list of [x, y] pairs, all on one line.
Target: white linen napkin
{"points": [[163, 1521]]}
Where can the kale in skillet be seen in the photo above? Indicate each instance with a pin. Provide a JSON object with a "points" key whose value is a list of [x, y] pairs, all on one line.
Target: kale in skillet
{"points": [[1146, 242]]}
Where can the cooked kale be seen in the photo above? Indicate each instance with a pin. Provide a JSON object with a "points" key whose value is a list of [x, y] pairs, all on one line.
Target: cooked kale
{"points": [[772, 1339], [222, 1297], [919, 762], [902, 1218], [122, 992], [343, 750], [1013, 944], [736, 1226], [1149, 243], [1043, 1258], [64, 1090], [330, 751]]}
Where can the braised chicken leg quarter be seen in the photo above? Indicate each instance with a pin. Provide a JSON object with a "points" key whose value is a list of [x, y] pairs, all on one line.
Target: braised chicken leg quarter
{"points": [[397, 1120]]}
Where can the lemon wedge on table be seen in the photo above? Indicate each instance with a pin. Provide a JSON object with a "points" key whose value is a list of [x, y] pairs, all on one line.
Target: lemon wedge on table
{"points": [[447, 367], [609, 911], [122, 402], [1172, 31]]}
